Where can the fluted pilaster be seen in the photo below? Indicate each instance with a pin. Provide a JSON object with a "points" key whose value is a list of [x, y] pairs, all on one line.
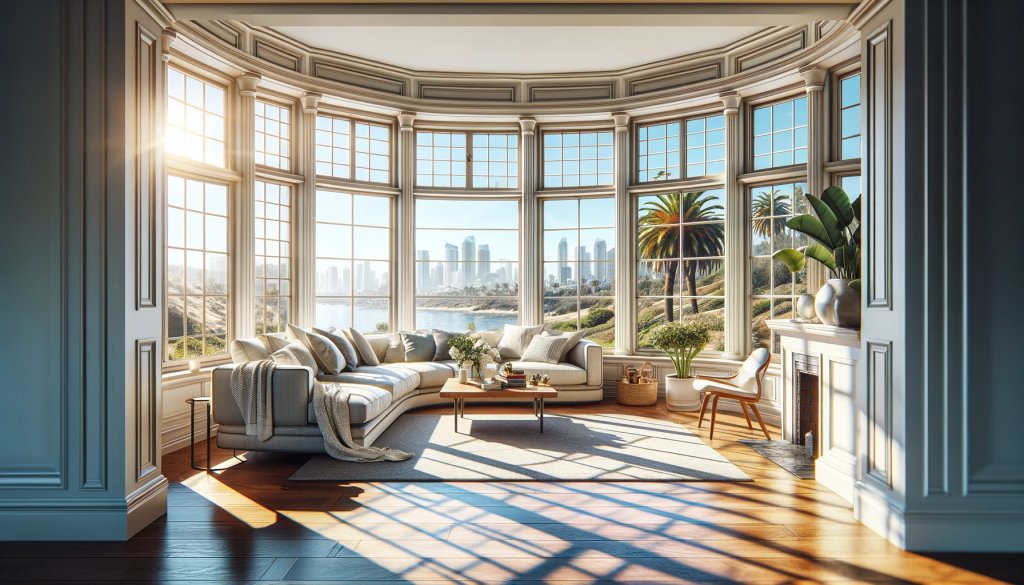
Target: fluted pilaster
{"points": [[814, 78], [737, 340], [245, 208], [531, 308], [406, 229], [304, 256], [625, 265]]}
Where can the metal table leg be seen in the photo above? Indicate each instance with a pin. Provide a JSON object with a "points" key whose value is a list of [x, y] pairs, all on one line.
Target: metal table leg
{"points": [[192, 435], [542, 415], [456, 418]]}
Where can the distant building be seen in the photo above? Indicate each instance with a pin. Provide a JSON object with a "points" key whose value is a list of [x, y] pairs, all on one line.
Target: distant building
{"points": [[483, 259], [563, 260], [423, 268], [600, 254], [467, 268], [451, 264]]}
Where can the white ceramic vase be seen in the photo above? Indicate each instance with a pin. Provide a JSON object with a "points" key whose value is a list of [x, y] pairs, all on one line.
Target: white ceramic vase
{"points": [[463, 375], [680, 395], [805, 307], [823, 304]]}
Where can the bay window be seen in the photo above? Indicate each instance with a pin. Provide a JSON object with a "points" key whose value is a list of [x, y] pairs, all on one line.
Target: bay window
{"points": [[579, 267], [773, 287], [351, 149], [467, 263], [273, 274], [198, 276], [578, 159], [353, 261], [681, 262]]}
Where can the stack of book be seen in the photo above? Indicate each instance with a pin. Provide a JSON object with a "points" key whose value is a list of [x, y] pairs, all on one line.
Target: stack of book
{"points": [[514, 379]]}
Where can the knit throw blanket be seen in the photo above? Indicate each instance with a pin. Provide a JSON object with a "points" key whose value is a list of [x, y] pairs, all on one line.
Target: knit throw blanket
{"points": [[251, 387]]}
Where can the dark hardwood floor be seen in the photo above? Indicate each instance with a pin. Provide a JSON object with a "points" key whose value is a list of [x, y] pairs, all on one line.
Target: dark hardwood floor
{"points": [[247, 523]]}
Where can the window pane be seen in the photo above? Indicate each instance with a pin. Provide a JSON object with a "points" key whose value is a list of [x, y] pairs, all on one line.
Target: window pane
{"points": [[441, 159], [273, 261], [574, 159], [780, 134], [273, 133], [195, 120], [457, 314], [334, 144], [197, 268]]}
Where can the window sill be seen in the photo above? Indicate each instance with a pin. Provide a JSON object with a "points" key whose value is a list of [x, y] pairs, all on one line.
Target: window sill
{"points": [[183, 377]]}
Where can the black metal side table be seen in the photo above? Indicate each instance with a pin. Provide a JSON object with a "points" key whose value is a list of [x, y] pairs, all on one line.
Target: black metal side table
{"points": [[192, 436]]}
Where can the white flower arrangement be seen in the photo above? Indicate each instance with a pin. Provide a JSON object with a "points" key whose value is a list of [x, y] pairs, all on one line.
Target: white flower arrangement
{"points": [[476, 352]]}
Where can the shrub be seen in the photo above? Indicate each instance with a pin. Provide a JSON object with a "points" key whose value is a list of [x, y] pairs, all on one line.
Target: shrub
{"points": [[563, 325], [382, 327], [762, 306], [471, 326], [596, 316]]}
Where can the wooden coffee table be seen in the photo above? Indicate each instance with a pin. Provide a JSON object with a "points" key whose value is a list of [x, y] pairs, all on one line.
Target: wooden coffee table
{"points": [[460, 392]]}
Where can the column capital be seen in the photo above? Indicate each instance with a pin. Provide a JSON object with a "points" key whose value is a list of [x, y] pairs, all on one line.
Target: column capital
{"points": [[310, 101], [621, 120], [529, 126], [405, 120], [167, 38], [247, 83], [814, 77], [731, 100]]}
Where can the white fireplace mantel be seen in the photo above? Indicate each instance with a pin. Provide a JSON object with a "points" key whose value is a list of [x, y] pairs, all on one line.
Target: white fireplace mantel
{"points": [[837, 351]]}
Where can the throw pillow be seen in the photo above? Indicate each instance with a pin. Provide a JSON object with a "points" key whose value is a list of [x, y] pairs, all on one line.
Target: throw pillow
{"points": [[572, 337], [348, 351], [272, 343], [491, 337], [516, 339], [247, 350], [544, 349], [441, 341], [418, 348], [326, 354], [396, 350], [380, 344], [366, 354], [294, 354]]}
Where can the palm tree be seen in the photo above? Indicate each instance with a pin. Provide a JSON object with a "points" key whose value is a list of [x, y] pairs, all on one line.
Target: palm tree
{"points": [[765, 207], [660, 237]]}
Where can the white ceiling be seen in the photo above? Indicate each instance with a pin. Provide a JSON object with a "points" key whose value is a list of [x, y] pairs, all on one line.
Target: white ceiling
{"points": [[517, 49]]}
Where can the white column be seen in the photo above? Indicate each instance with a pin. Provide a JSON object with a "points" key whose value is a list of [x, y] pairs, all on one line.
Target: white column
{"points": [[406, 246], [245, 208], [737, 321], [531, 309], [625, 265], [304, 248], [814, 78]]}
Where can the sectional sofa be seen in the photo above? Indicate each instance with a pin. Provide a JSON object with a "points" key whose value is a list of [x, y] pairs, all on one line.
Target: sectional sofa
{"points": [[379, 395]]}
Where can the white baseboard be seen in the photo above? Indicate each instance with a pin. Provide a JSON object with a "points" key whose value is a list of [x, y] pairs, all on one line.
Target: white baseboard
{"points": [[874, 510]]}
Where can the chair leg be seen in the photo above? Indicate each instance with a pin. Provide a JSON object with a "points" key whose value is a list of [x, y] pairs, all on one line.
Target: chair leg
{"points": [[714, 413], [760, 421], [743, 407], [703, 407]]}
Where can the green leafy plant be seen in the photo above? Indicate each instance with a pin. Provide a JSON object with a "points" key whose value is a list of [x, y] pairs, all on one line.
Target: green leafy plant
{"points": [[836, 229], [596, 316], [471, 350], [471, 326], [382, 327], [681, 342]]}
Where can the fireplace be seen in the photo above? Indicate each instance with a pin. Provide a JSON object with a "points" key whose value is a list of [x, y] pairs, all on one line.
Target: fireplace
{"points": [[806, 399]]}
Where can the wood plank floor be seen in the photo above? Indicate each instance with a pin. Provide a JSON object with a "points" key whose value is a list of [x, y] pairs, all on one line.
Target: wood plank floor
{"points": [[246, 523]]}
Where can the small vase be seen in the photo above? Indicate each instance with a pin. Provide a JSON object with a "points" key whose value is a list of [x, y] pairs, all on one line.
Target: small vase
{"points": [[805, 307], [680, 395], [823, 302], [846, 306], [463, 375]]}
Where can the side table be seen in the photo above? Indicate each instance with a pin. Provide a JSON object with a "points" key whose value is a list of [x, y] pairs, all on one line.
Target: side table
{"points": [[192, 435]]}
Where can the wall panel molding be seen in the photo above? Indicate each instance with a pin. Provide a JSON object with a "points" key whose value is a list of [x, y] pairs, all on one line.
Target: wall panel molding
{"points": [[772, 52], [147, 67], [674, 79], [879, 411], [559, 93], [877, 124], [469, 93], [276, 55], [350, 76], [147, 443]]}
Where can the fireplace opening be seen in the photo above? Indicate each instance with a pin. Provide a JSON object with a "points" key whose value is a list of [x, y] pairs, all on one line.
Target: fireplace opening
{"points": [[807, 407]]}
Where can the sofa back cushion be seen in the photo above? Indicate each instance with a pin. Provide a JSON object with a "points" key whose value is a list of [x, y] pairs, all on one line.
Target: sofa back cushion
{"points": [[294, 354], [545, 349], [441, 344], [248, 350], [419, 347], [516, 339], [272, 343], [367, 356]]}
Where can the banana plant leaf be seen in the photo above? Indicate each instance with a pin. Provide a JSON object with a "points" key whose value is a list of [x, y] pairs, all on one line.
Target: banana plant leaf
{"points": [[829, 221], [812, 226], [793, 259], [839, 202], [821, 254], [847, 258], [855, 284], [856, 208]]}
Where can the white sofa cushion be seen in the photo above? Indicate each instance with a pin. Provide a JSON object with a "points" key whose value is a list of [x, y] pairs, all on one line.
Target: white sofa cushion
{"points": [[516, 339], [366, 353], [545, 349], [248, 350], [399, 381], [432, 373], [561, 374], [571, 337], [364, 403]]}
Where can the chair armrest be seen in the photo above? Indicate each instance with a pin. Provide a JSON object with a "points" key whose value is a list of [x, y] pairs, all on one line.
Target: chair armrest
{"points": [[589, 356]]}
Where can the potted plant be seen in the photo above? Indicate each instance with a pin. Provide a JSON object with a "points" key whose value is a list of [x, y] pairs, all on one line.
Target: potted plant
{"points": [[836, 229], [472, 352], [681, 342]]}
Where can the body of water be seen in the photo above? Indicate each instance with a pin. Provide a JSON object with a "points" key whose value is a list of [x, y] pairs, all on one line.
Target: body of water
{"points": [[366, 318]]}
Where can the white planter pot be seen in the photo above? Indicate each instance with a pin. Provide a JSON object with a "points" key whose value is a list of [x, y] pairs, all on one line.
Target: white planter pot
{"points": [[680, 395]]}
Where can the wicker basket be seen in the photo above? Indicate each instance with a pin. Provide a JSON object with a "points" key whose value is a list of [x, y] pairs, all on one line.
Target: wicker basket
{"points": [[644, 393]]}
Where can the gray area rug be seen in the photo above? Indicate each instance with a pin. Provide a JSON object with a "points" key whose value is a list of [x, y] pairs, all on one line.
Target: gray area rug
{"points": [[599, 447], [789, 456]]}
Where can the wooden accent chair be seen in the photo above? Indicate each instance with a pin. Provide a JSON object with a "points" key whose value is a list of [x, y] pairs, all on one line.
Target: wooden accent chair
{"points": [[745, 387]]}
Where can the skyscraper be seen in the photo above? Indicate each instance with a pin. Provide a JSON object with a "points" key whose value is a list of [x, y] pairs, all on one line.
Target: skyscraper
{"points": [[468, 269], [600, 254], [483, 258], [582, 257], [422, 269], [563, 260], [451, 263], [346, 280]]}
